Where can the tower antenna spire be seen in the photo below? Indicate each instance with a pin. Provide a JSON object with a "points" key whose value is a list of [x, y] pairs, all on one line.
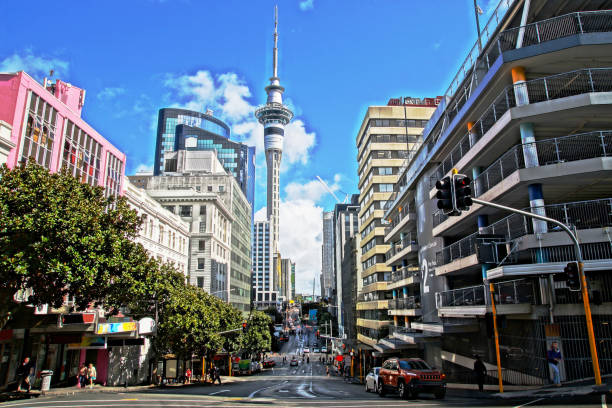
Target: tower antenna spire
{"points": [[275, 53]]}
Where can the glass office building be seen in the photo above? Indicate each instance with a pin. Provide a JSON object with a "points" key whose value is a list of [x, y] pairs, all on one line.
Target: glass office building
{"points": [[181, 129]]}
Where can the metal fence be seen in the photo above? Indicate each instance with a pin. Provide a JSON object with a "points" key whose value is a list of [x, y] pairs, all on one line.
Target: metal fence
{"points": [[581, 215], [470, 296], [398, 246], [405, 211], [514, 292], [550, 151], [410, 302], [537, 90], [410, 271]]}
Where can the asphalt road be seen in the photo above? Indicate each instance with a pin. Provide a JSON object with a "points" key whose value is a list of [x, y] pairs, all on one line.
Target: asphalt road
{"points": [[306, 385]]}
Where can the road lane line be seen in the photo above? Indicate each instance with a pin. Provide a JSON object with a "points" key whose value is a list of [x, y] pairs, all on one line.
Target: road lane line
{"points": [[529, 403], [251, 395], [218, 392]]}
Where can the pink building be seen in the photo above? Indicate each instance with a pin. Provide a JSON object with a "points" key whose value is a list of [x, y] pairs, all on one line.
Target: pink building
{"points": [[47, 125], [44, 122]]}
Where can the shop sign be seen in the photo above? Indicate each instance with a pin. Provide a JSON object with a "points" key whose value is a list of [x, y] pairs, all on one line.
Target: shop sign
{"points": [[111, 328], [146, 325], [94, 342]]}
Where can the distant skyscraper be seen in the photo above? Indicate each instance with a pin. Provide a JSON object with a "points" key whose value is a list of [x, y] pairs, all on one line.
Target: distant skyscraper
{"points": [[327, 261], [274, 116], [263, 278]]}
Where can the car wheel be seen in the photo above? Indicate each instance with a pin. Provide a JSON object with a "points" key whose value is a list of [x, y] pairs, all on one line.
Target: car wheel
{"points": [[440, 394], [366, 386], [381, 389], [402, 390]]}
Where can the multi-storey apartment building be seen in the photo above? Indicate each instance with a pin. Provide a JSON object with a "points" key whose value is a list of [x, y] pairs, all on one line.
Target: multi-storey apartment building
{"points": [[45, 124], [388, 137], [527, 117], [347, 272], [287, 278], [5, 141], [220, 226]]}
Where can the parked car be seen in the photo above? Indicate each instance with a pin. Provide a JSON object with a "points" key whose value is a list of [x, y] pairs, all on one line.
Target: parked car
{"points": [[294, 362], [371, 380], [323, 349], [269, 363], [316, 350], [255, 367], [409, 377], [306, 350]]}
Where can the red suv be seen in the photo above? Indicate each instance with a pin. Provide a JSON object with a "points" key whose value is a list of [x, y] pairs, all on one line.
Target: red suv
{"points": [[409, 377]]}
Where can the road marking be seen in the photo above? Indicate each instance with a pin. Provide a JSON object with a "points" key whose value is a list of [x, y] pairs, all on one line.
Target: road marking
{"points": [[603, 401], [251, 395], [218, 392], [529, 403], [129, 399]]}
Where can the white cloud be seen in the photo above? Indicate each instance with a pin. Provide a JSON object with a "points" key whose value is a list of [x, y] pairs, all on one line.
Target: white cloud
{"points": [[298, 143], [144, 168], [234, 91], [306, 5], [36, 66], [301, 228], [110, 93]]}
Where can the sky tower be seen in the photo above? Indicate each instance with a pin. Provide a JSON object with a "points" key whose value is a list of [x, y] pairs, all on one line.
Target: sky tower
{"points": [[274, 116]]}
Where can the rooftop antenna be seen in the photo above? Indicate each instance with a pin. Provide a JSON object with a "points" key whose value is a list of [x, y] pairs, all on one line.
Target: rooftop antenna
{"points": [[275, 52]]}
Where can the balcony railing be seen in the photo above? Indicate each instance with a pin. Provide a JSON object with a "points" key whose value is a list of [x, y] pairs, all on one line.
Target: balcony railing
{"points": [[401, 330], [405, 272], [411, 302], [550, 151], [398, 246], [537, 90], [581, 214], [519, 291], [398, 217], [470, 296]]}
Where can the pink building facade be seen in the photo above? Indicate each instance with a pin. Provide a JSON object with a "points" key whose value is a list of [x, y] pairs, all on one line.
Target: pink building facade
{"points": [[47, 126], [44, 122]]}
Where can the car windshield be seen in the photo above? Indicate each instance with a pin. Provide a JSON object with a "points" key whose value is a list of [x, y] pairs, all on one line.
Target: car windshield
{"points": [[414, 365]]}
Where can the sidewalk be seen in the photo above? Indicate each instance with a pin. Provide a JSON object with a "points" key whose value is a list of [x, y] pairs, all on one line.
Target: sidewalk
{"points": [[556, 392], [66, 391]]}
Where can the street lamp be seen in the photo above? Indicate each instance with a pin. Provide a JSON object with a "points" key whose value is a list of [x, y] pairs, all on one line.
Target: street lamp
{"points": [[228, 290]]}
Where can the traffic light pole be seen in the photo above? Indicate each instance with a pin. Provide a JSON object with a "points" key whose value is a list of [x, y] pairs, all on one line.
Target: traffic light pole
{"points": [[585, 293]]}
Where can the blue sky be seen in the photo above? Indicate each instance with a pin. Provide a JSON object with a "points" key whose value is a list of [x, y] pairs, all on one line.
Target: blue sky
{"points": [[336, 58]]}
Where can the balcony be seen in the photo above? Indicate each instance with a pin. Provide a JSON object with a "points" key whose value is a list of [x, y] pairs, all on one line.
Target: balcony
{"points": [[405, 214], [582, 215], [541, 153], [537, 90], [406, 306], [401, 249], [511, 297], [404, 276]]}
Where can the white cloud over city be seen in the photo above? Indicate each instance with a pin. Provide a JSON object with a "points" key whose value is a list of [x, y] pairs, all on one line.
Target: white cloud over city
{"points": [[35, 65], [306, 5]]}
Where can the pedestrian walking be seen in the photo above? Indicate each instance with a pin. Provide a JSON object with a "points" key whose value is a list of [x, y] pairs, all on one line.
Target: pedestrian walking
{"points": [[480, 371], [82, 376], [188, 376], [307, 360], [554, 358], [23, 375], [91, 374], [217, 375], [327, 370]]}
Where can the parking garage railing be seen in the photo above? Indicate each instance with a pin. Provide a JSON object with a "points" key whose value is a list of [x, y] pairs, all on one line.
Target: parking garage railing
{"points": [[410, 302], [399, 245], [410, 271], [470, 296], [580, 214]]}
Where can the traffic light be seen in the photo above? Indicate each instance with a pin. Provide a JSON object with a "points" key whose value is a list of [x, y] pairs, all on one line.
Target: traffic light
{"points": [[244, 327], [573, 276], [463, 192], [446, 195]]}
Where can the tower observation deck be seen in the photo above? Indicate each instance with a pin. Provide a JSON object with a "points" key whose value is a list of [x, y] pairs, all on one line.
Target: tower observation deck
{"points": [[274, 116]]}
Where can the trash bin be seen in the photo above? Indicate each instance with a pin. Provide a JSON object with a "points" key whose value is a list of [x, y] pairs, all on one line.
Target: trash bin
{"points": [[46, 380]]}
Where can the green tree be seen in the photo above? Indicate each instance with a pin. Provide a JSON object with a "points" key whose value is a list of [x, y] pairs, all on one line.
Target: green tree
{"points": [[258, 337], [61, 238]]}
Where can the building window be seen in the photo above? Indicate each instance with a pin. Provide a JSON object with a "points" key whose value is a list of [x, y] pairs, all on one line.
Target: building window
{"points": [[202, 227], [185, 210], [202, 245], [40, 131], [209, 189], [114, 168], [221, 189], [200, 263], [200, 282], [82, 155]]}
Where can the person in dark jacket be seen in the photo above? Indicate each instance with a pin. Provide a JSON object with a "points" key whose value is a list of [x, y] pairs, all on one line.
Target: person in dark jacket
{"points": [[23, 375], [480, 372]]}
